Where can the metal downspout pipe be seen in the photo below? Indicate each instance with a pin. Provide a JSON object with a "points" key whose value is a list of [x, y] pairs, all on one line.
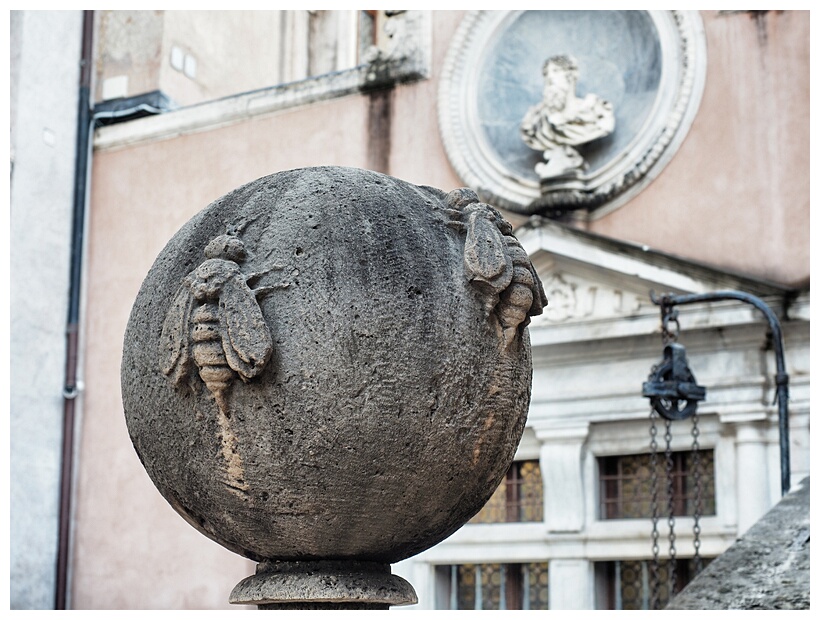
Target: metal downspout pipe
{"points": [[70, 390]]}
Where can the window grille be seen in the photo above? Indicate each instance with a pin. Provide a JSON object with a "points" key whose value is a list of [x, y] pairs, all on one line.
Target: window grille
{"points": [[624, 584], [493, 586], [625, 485], [519, 497]]}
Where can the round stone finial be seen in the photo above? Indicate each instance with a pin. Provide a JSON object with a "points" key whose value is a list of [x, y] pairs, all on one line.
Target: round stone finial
{"points": [[344, 377]]}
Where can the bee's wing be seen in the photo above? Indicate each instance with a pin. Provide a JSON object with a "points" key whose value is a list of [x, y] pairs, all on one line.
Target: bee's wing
{"points": [[485, 254], [246, 338], [174, 341]]}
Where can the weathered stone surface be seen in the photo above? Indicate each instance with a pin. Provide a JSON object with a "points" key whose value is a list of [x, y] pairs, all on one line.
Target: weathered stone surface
{"points": [[289, 585], [768, 568], [314, 370]]}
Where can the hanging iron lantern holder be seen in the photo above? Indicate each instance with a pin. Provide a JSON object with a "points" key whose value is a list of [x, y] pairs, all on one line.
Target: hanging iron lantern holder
{"points": [[671, 388], [674, 394], [667, 303]]}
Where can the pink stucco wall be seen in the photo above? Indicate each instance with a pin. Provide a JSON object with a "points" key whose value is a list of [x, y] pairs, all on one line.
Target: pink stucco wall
{"points": [[736, 195]]}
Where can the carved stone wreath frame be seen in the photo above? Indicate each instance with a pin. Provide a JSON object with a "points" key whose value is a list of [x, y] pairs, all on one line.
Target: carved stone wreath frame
{"points": [[681, 39]]}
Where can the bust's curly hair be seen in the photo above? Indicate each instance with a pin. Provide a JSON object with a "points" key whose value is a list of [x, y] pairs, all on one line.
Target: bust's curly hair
{"points": [[564, 61]]}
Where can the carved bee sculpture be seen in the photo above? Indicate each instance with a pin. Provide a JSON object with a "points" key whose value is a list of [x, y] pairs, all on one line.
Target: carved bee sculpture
{"points": [[215, 322], [496, 263]]}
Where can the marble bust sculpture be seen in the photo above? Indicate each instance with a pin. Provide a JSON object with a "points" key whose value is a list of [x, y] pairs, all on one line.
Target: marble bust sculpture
{"points": [[562, 120]]}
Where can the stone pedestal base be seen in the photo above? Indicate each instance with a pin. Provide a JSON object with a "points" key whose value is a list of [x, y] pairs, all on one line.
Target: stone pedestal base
{"points": [[323, 584]]}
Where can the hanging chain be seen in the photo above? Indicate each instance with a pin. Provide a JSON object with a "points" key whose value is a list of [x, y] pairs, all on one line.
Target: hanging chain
{"points": [[669, 314], [696, 474], [670, 503], [654, 600], [670, 329]]}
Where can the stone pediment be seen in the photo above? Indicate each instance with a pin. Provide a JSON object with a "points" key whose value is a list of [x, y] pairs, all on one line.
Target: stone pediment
{"points": [[592, 280]]}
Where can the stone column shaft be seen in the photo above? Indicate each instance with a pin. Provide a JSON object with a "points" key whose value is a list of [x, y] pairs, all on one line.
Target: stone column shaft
{"points": [[571, 584], [752, 475], [561, 459]]}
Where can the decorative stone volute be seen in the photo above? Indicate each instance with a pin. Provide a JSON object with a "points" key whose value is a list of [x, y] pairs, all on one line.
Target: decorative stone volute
{"points": [[330, 365]]}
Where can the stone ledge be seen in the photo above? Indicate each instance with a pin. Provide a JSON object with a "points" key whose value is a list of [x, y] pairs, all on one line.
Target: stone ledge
{"points": [[768, 568]]}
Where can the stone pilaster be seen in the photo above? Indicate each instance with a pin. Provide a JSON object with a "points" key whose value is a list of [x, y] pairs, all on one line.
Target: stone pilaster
{"points": [[562, 454]]}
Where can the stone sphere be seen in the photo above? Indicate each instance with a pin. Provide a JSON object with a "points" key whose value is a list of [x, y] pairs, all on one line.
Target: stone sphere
{"points": [[322, 365]]}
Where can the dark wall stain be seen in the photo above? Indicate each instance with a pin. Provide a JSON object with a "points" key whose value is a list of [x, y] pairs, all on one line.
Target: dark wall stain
{"points": [[760, 20], [379, 121], [760, 23]]}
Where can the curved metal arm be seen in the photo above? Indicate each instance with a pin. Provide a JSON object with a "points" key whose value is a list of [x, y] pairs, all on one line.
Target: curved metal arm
{"points": [[781, 378]]}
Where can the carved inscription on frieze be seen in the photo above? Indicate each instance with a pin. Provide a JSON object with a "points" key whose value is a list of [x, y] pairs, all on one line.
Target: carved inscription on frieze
{"points": [[575, 299]]}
